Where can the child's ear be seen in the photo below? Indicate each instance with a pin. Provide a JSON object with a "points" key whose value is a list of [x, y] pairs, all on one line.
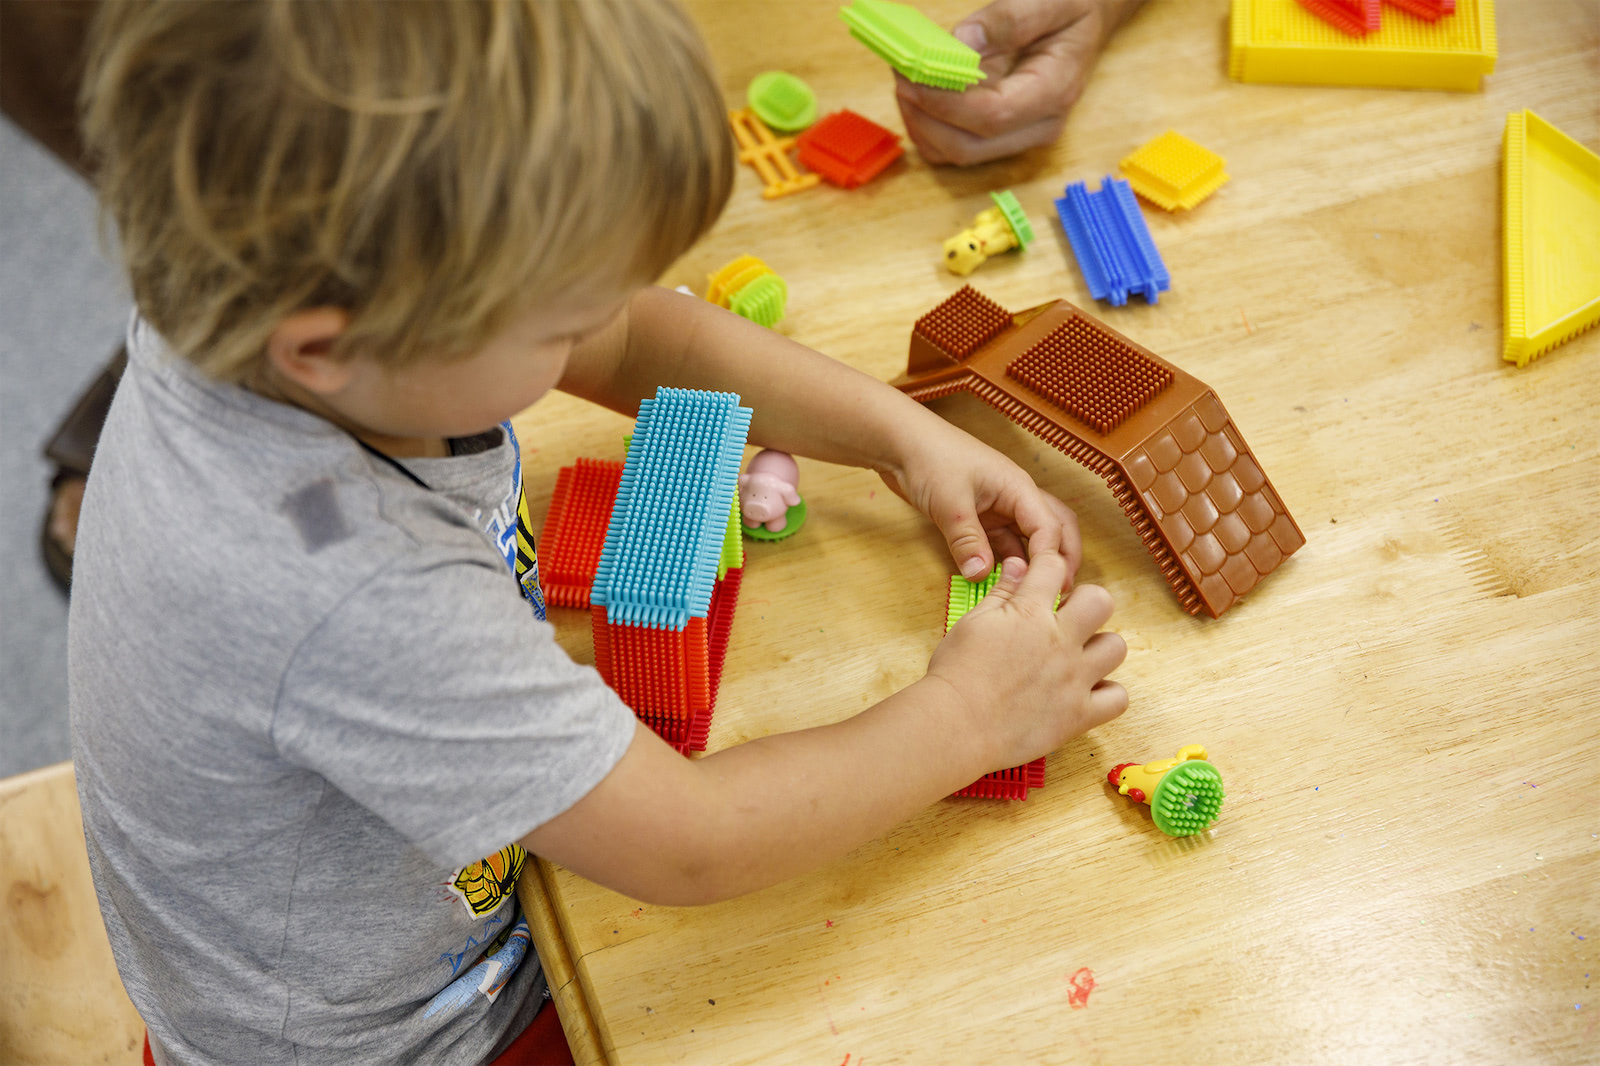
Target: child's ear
{"points": [[301, 349]]}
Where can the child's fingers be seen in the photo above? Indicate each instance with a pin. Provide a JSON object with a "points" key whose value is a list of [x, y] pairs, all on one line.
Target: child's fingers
{"points": [[1011, 570], [1042, 582], [1003, 540], [1106, 700], [969, 543], [1104, 653], [1086, 610]]}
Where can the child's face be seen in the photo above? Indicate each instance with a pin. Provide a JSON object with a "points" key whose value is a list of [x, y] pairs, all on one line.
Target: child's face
{"points": [[431, 398]]}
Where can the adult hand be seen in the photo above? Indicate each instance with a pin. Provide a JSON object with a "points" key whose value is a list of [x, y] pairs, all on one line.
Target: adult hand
{"points": [[1037, 55]]}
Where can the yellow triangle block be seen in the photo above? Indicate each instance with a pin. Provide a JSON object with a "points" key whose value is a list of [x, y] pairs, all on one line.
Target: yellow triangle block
{"points": [[1552, 252]]}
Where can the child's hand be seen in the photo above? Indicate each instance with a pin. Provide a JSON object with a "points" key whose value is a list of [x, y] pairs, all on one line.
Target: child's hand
{"points": [[1037, 54], [1029, 676], [986, 506]]}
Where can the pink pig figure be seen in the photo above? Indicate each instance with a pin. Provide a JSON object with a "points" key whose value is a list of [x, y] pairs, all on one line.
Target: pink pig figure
{"points": [[767, 489]]}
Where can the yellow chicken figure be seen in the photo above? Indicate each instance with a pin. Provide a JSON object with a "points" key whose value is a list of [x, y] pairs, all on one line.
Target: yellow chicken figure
{"points": [[1184, 793], [996, 229]]}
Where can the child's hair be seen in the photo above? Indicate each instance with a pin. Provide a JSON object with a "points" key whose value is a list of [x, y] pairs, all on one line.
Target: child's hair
{"points": [[433, 167]]}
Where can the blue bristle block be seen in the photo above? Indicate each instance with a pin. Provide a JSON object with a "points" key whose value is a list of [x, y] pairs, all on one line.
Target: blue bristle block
{"points": [[1113, 245]]}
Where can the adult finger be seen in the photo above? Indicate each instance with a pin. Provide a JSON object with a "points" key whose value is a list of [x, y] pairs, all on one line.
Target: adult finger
{"points": [[941, 142], [1009, 26], [1086, 610]]}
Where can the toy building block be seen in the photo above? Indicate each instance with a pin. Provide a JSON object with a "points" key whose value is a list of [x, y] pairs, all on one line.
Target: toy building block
{"points": [[913, 44], [1280, 41], [782, 101], [1160, 438], [660, 613], [575, 530], [769, 155], [1552, 253], [1173, 172], [1184, 793], [748, 287], [1012, 783], [1113, 245], [1427, 10], [1355, 17], [995, 229], [847, 149]]}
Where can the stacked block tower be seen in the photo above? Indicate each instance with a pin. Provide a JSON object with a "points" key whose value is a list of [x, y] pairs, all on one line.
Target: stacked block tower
{"points": [[667, 579]]}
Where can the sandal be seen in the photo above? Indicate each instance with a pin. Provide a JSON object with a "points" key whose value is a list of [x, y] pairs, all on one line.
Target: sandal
{"points": [[71, 449]]}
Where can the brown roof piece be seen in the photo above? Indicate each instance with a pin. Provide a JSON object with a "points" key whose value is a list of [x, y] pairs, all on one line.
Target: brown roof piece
{"points": [[1160, 437]]}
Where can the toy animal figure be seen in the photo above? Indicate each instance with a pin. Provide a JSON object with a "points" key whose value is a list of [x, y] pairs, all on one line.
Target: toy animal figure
{"points": [[996, 229], [768, 487], [1184, 793]]}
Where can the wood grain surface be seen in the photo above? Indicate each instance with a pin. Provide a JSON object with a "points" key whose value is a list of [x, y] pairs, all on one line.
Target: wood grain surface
{"points": [[61, 1001], [1406, 714]]}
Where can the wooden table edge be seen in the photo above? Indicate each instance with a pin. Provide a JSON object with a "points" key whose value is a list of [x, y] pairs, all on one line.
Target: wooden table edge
{"points": [[566, 989]]}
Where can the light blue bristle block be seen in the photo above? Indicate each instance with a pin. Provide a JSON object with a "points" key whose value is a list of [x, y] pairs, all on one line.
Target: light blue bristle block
{"points": [[659, 562]]}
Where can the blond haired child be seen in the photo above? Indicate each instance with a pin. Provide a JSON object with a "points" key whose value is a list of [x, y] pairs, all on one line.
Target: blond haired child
{"points": [[317, 725]]}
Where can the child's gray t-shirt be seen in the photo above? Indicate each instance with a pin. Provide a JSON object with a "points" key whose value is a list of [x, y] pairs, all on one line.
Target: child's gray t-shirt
{"points": [[312, 712]]}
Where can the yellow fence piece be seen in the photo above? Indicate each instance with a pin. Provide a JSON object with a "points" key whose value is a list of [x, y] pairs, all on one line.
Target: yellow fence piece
{"points": [[769, 155], [1552, 237], [1280, 41]]}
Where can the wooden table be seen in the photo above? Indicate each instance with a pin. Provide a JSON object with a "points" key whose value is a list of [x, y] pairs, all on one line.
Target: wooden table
{"points": [[1407, 714]]}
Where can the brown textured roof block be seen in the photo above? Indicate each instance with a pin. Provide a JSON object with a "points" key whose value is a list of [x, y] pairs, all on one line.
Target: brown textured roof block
{"points": [[1161, 439]]}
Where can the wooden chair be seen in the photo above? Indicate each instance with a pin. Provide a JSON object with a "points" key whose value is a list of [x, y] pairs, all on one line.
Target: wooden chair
{"points": [[61, 1000]]}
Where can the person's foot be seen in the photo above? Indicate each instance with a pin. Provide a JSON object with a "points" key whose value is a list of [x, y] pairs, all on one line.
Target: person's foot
{"points": [[58, 540], [70, 451]]}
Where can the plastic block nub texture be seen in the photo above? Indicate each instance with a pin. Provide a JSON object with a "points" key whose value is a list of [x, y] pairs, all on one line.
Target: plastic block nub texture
{"points": [[768, 155], [748, 287], [762, 301], [913, 44], [1015, 217], [664, 544], [1431, 10], [1552, 237], [1098, 379], [1280, 41], [782, 101], [1355, 17], [1177, 465], [965, 322], [1173, 172], [719, 626], [1112, 242], [847, 149], [964, 595], [1187, 799], [1012, 784], [575, 530]]}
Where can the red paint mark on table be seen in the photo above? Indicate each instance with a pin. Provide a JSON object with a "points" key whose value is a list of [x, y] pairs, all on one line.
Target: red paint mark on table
{"points": [[829, 921], [1082, 984]]}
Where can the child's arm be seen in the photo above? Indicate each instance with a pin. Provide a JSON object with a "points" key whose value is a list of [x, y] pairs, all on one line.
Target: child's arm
{"points": [[665, 829], [806, 403]]}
